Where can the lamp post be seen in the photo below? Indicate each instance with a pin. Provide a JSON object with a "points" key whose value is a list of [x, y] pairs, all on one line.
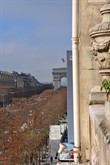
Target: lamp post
{"points": [[3, 100], [15, 83]]}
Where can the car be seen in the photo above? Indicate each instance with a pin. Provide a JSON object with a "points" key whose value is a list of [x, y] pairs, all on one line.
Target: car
{"points": [[66, 152]]}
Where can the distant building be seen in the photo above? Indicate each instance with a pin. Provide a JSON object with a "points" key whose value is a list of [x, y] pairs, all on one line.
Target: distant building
{"points": [[55, 135], [17, 80], [6, 80], [70, 98]]}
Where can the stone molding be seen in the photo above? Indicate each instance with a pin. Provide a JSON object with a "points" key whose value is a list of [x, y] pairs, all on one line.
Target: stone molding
{"points": [[101, 141], [105, 129], [100, 29], [95, 1]]}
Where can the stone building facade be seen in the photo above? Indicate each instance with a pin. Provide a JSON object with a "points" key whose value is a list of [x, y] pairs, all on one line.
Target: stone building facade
{"points": [[17, 80], [6, 80], [94, 46]]}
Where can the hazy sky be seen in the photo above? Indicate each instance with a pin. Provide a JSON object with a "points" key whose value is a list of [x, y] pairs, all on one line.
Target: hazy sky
{"points": [[34, 36]]}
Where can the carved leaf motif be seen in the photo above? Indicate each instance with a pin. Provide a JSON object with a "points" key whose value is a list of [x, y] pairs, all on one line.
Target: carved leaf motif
{"points": [[102, 46], [98, 48], [108, 1]]}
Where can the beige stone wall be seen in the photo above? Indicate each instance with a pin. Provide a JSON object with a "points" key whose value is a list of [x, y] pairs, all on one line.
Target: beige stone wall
{"points": [[100, 136], [89, 76]]}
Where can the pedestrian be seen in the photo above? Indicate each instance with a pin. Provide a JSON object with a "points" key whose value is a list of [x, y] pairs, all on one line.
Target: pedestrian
{"points": [[72, 156], [51, 159]]}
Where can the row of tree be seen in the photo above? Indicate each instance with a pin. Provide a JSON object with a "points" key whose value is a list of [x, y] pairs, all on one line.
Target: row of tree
{"points": [[24, 128]]}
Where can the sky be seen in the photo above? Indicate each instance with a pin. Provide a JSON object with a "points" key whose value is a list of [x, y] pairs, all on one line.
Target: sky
{"points": [[34, 36]]}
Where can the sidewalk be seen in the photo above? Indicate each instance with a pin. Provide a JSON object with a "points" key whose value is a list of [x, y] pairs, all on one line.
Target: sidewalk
{"points": [[67, 163], [53, 163], [72, 163]]}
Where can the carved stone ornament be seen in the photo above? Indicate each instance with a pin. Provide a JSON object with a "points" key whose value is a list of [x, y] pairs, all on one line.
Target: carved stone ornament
{"points": [[100, 40]]}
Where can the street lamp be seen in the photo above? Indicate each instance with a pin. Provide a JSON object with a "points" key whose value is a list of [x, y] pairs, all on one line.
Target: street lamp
{"points": [[15, 83], [3, 100]]}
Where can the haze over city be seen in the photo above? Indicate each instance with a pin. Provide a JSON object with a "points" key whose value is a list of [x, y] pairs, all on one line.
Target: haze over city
{"points": [[35, 35]]}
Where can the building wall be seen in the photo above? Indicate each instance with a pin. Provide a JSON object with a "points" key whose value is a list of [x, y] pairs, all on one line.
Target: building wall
{"points": [[88, 71], [70, 98], [55, 135], [20, 83]]}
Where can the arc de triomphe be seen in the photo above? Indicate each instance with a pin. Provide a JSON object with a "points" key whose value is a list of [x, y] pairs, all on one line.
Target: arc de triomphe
{"points": [[58, 74]]}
